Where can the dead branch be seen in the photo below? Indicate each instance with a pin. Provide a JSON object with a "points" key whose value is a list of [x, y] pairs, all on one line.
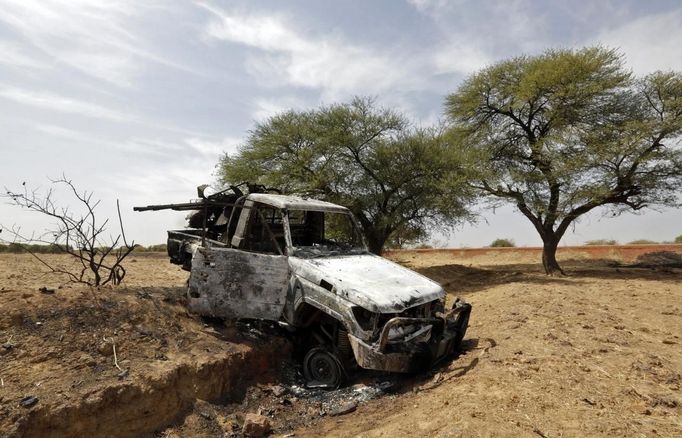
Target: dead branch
{"points": [[79, 235], [113, 347]]}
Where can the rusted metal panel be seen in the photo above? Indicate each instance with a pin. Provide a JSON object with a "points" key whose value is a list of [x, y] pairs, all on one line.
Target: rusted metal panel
{"points": [[231, 283]]}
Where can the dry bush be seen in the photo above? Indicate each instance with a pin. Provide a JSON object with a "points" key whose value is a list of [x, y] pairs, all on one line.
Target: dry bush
{"points": [[80, 235], [601, 242], [502, 243], [642, 242]]}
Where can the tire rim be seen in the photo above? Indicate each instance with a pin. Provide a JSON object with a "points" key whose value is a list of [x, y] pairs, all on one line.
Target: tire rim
{"points": [[322, 368]]}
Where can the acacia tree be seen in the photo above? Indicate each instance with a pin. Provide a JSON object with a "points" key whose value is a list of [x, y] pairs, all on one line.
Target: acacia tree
{"points": [[565, 132], [397, 180]]}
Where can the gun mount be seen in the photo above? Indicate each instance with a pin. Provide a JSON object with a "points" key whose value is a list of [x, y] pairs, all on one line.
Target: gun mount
{"points": [[213, 218]]}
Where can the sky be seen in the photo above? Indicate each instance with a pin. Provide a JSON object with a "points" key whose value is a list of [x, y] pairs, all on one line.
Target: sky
{"points": [[137, 101]]}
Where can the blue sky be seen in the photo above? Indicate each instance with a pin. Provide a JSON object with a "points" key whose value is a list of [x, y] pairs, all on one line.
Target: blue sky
{"points": [[137, 100]]}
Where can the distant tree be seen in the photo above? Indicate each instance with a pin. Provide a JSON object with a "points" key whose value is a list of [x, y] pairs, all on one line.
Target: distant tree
{"points": [[678, 239], [601, 242], [642, 242], [160, 247], [502, 243], [406, 236], [81, 234], [396, 179], [565, 132]]}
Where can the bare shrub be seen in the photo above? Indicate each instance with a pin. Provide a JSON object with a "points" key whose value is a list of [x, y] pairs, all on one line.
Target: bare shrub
{"points": [[79, 235]]}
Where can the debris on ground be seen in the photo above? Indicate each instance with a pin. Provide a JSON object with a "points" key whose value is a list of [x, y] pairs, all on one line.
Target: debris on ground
{"points": [[345, 408], [255, 425], [279, 390], [28, 401]]}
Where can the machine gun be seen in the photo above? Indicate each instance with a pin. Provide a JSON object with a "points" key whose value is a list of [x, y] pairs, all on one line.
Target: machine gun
{"points": [[213, 216], [210, 211]]}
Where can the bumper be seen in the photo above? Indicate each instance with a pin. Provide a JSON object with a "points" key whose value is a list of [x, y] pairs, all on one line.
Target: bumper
{"points": [[447, 334]]}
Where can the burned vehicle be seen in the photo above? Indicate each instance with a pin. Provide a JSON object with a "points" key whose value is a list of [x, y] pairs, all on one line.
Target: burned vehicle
{"points": [[302, 263]]}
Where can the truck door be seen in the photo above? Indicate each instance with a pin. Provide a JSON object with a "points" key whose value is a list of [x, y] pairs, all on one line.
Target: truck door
{"points": [[232, 283], [243, 283]]}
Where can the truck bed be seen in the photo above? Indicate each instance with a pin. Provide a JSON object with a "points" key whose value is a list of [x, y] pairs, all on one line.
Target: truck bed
{"points": [[182, 244]]}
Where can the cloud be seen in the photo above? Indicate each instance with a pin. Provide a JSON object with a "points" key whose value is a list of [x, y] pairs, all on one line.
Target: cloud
{"points": [[460, 58], [213, 149], [169, 149], [83, 35], [161, 148], [285, 56], [63, 104], [91, 36], [268, 107], [138, 165], [167, 170], [281, 55], [58, 103], [83, 138], [470, 31], [432, 7], [262, 32], [14, 56], [652, 42]]}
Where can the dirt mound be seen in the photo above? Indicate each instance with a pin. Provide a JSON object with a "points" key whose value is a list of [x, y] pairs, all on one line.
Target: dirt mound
{"points": [[660, 258], [116, 362]]}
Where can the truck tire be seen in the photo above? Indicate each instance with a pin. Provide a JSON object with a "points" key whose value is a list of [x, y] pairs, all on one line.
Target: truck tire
{"points": [[322, 369]]}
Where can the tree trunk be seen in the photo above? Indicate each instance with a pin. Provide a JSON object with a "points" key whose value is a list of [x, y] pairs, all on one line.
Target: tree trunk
{"points": [[550, 244], [375, 242]]}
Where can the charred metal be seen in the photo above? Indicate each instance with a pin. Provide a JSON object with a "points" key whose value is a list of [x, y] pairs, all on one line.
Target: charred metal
{"points": [[303, 263]]}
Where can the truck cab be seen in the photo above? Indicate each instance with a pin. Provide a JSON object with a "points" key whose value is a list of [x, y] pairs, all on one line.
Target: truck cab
{"points": [[303, 263]]}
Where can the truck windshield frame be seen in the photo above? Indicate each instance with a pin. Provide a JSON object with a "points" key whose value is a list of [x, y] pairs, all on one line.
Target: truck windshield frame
{"points": [[321, 233]]}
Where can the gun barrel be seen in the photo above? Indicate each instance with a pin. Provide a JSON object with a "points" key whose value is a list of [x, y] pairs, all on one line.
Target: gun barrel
{"points": [[186, 206], [177, 207]]}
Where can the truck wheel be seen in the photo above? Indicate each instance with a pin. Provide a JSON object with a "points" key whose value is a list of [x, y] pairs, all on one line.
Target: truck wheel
{"points": [[323, 369]]}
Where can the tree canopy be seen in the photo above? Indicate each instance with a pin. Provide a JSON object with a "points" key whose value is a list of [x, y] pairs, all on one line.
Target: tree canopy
{"points": [[567, 131], [398, 180]]}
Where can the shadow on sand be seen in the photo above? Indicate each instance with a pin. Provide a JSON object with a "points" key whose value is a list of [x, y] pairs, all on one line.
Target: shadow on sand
{"points": [[465, 279]]}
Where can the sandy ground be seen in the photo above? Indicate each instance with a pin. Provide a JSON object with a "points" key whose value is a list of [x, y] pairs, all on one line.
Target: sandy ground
{"points": [[596, 353], [58, 347]]}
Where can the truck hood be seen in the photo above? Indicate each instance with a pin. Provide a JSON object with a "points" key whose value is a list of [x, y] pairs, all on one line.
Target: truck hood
{"points": [[369, 281]]}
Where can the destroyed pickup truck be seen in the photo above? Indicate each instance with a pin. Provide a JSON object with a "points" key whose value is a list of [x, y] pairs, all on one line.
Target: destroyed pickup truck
{"points": [[302, 263]]}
